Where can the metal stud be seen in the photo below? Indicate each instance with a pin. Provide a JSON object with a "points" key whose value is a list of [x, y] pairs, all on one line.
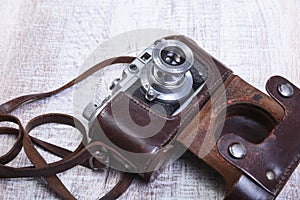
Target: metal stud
{"points": [[237, 150], [270, 175], [126, 166], [286, 90]]}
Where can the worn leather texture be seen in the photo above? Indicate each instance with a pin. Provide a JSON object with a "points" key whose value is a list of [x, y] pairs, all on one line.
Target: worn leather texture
{"points": [[247, 113], [279, 153]]}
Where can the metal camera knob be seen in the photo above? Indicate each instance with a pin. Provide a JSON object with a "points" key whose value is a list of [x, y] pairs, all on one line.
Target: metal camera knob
{"points": [[172, 59]]}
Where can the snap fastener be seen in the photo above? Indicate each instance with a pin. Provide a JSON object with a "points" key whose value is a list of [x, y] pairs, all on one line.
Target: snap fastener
{"points": [[286, 90], [237, 150]]}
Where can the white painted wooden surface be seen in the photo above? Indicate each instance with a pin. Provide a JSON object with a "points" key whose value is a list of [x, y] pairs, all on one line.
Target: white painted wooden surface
{"points": [[44, 43]]}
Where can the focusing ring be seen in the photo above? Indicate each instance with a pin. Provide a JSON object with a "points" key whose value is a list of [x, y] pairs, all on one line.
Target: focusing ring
{"points": [[180, 51]]}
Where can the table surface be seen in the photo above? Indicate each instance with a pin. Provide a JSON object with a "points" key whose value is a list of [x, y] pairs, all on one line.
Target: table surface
{"points": [[45, 43]]}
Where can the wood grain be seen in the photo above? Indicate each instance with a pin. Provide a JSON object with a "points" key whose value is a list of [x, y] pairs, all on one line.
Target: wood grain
{"points": [[44, 43]]}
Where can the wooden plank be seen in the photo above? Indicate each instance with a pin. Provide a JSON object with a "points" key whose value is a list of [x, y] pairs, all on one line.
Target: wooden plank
{"points": [[44, 43]]}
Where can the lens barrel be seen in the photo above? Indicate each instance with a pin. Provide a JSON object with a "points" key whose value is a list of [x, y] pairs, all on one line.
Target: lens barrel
{"points": [[172, 59]]}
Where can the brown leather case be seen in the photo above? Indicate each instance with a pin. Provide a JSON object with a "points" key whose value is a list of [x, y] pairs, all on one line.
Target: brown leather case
{"points": [[227, 111]]}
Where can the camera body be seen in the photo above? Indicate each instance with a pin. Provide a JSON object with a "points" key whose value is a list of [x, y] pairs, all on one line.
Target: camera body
{"points": [[162, 82]]}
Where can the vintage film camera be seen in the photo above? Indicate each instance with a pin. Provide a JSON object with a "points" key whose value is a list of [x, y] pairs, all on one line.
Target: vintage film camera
{"points": [[174, 96], [154, 90]]}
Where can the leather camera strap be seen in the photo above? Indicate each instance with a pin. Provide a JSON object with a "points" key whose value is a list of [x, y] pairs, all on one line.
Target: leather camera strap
{"points": [[69, 159]]}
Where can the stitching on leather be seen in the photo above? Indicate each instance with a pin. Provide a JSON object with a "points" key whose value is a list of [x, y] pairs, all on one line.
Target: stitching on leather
{"points": [[172, 134], [287, 172], [123, 95]]}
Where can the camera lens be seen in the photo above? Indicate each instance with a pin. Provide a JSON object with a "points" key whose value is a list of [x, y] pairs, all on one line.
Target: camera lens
{"points": [[168, 74], [172, 59], [173, 56]]}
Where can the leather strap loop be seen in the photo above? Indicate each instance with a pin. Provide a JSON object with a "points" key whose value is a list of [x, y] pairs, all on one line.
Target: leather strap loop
{"points": [[69, 159], [15, 150], [35, 157]]}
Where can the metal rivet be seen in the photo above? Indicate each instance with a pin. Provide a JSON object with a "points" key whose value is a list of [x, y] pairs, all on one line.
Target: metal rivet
{"points": [[237, 150], [126, 166], [270, 175], [286, 90]]}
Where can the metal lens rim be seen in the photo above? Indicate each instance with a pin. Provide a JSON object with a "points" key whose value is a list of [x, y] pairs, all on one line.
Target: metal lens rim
{"points": [[161, 64]]}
